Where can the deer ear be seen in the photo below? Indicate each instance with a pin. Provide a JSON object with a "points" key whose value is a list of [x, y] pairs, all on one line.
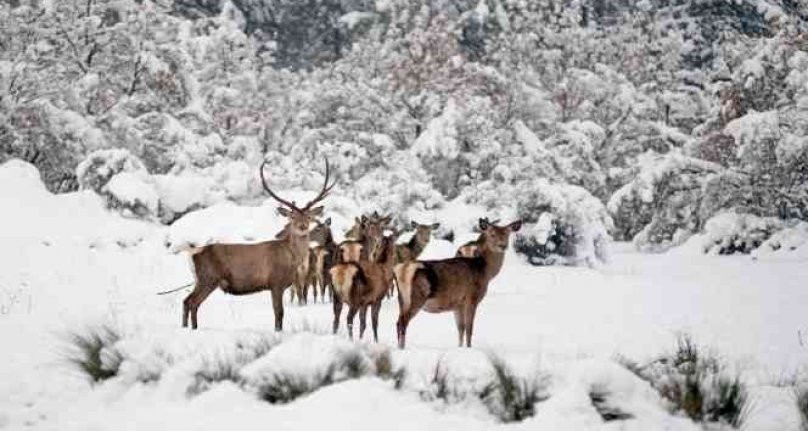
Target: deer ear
{"points": [[316, 211], [484, 224], [386, 220], [435, 225], [515, 226], [363, 219], [327, 221], [284, 212], [413, 224]]}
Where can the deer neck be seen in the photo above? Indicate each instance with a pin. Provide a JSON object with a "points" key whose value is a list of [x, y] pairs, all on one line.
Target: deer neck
{"points": [[493, 261], [298, 244], [417, 245]]}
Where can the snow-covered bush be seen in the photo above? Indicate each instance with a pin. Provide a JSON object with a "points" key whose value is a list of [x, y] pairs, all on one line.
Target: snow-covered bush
{"points": [[730, 232], [98, 168], [564, 224], [660, 207], [123, 181], [792, 240], [132, 195]]}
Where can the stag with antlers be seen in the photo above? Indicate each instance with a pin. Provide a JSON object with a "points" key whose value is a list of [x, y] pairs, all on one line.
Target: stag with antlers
{"points": [[242, 269], [456, 284]]}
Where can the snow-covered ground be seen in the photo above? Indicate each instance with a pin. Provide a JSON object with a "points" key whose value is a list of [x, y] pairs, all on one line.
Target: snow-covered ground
{"points": [[69, 264]]}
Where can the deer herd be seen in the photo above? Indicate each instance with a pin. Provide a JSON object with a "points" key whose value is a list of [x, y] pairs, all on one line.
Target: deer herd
{"points": [[358, 273]]}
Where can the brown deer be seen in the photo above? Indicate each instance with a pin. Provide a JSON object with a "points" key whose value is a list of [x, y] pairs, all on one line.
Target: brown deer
{"points": [[321, 258], [366, 231], [456, 284], [363, 284], [241, 269], [415, 246]]}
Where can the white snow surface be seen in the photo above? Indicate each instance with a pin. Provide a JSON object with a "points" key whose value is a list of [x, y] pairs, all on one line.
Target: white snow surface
{"points": [[70, 264]]}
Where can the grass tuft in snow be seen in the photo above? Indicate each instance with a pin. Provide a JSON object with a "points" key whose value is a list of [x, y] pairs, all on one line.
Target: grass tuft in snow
{"points": [[286, 386], [94, 354], [507, 396], [226, 368], [696, 384], [801, 393], [513, 398], [599, 397]]}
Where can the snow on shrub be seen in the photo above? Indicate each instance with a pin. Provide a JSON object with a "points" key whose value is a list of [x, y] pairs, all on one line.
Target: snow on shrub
{"points": [[792, 240], [660, 207], [132, 195], [564, 224], [730, 232], [95, 171]]}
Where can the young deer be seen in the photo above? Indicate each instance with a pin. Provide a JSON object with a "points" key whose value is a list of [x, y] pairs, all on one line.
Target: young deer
{"points": [[456, 284], [363, 284], [415, 246], [241, 269]]}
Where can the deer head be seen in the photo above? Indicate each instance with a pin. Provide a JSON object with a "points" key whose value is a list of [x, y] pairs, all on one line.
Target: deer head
{"points": [[300, 219], [373, 229], [424, 231], [495, 238], [321, 233]]}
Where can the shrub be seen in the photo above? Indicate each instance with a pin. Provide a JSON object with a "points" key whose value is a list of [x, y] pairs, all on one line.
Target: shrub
{"points": [[507, 396], [696, 384], [513, 398], [730, 233], [94, 354], [284, 386], [98, 168], [564, 224]]}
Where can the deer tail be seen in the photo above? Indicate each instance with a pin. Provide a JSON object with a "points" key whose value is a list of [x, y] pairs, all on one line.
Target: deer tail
{"points": [[404, 274]]}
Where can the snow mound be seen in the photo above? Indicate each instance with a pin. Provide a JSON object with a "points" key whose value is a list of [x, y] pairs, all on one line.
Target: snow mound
{"points": [[33, 214], [225, 222]]}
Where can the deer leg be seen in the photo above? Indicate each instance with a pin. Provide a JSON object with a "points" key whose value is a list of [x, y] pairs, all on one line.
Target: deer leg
{"points": [[349, 320], [322, 290], [195, 299], [186, 308], [277, 307], [362, 320], [301, 294], [374, 317], [337, 305], [461, 326], [471, 311]]}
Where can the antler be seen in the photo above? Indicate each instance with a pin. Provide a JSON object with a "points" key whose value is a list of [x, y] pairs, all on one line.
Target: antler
{"points": [[325, 190], [291, 205]]}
